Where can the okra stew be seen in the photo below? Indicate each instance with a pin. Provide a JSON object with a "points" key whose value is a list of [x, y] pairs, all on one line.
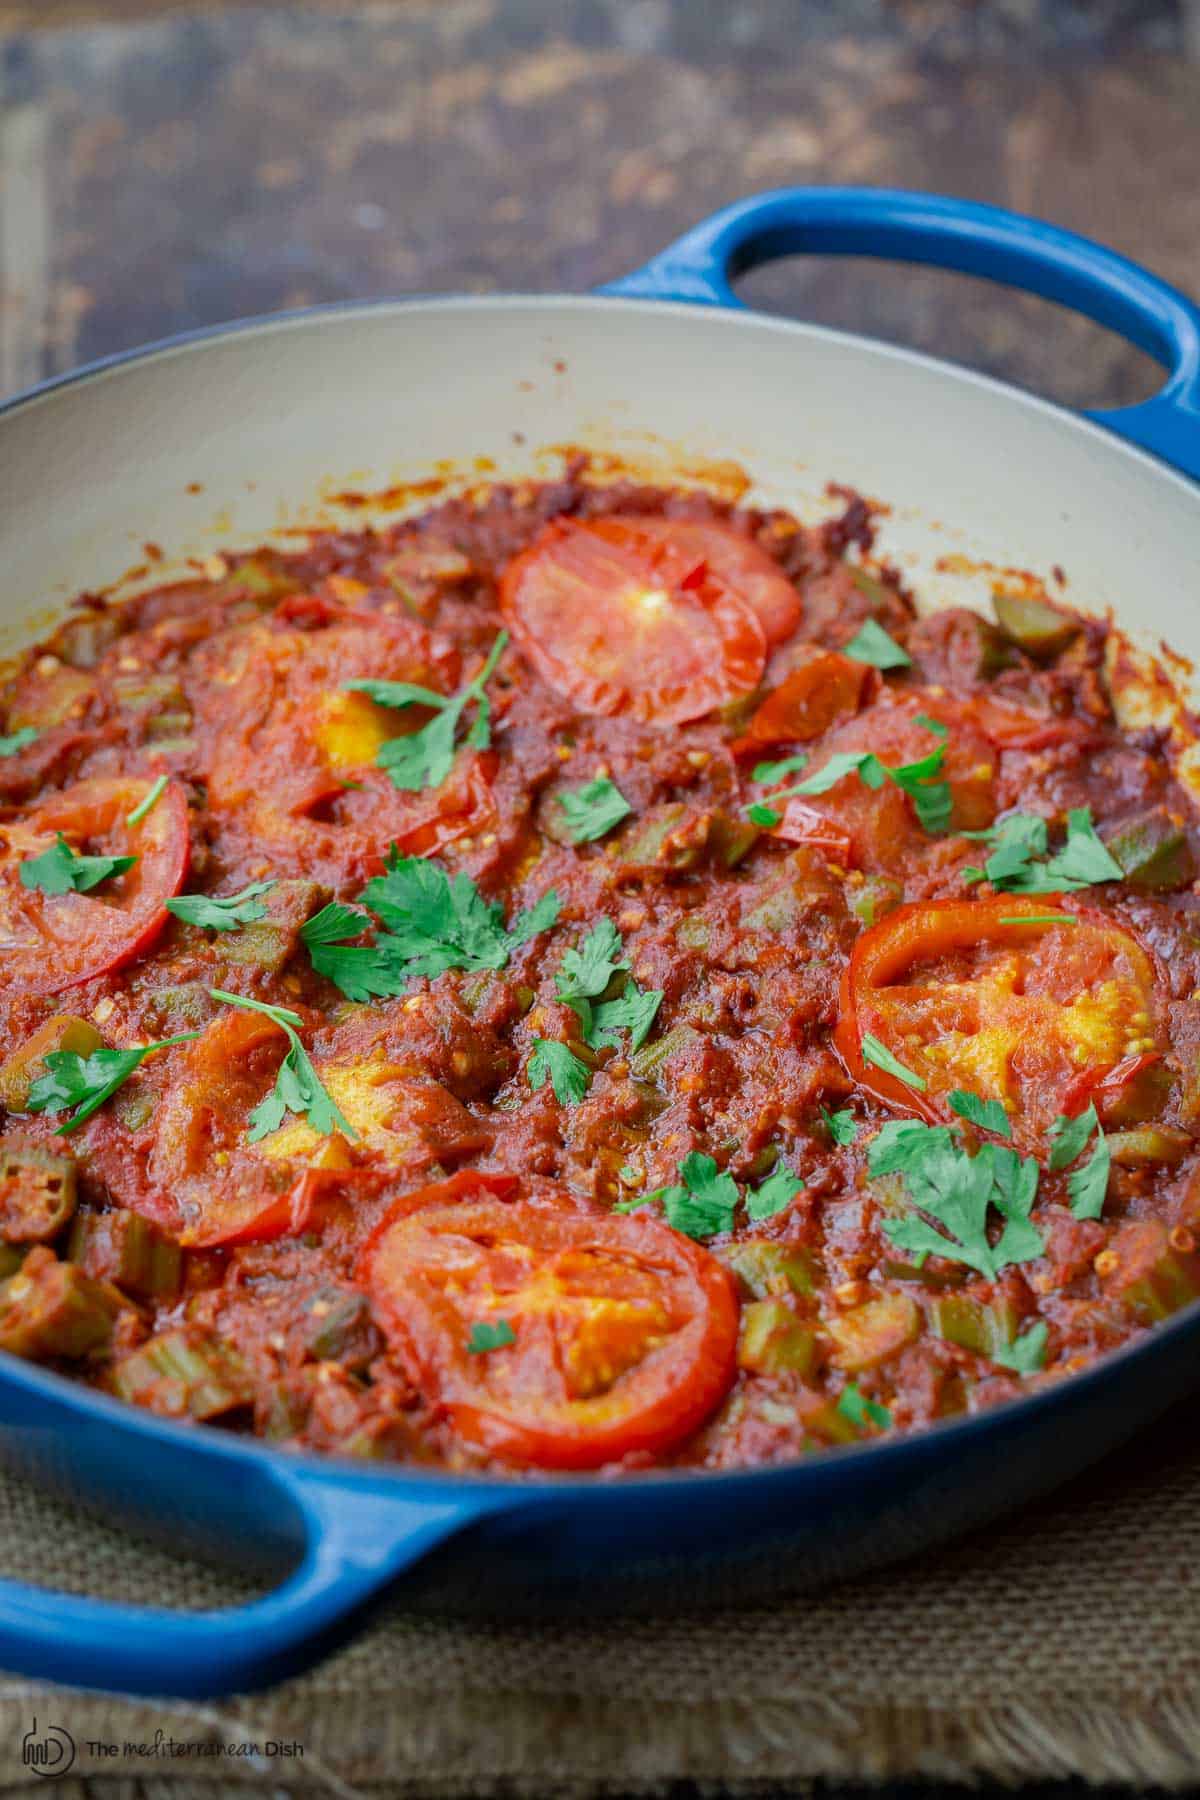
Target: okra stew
{"points": [[588, 978]]}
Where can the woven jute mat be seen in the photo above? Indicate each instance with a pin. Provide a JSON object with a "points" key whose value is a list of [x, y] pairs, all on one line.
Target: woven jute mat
{"points": [[1064, 1642]]}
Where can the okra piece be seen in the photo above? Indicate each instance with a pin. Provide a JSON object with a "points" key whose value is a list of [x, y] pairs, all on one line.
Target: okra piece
{"points": [[37, 1192], [183, 1371], [870, 1333], [730, 839], [648, 1063], [979, 1325], [19, 1071], [659, 839], [52, 1309], [693, 931], [126, 1249], [767, 1268], [773, 1341], [340, 1329], [1036, 627], [269, 942], [1154, 852], [1149, 1146], [874, 897], [1153, 1269]]}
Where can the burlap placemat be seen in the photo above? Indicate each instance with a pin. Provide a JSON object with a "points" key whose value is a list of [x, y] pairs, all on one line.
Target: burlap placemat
{"points": [[1063, 1642]]}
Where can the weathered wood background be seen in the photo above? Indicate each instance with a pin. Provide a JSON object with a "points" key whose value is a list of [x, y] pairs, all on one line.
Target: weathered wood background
{"points": [[164, 166]]}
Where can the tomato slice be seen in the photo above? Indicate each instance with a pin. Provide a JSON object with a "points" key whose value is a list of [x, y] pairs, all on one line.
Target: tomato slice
{"points": [[822, 688], [55, 941], [739, 564], [624, 617], [965, 994], [624, 1332]]}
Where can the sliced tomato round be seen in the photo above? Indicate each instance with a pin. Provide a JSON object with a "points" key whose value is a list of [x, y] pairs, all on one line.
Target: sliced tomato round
{"points": [[54, 941], [822, 688], [740, 565], [1011, 998], [621, 618], [613, 1335]]}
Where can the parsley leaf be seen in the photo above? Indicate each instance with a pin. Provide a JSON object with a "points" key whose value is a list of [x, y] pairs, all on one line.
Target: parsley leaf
{"points": [[298, 1089], [702, 1206], [1087, 1185], [875, 1052], [586, 973], [558, 1063], [957, 1190], [86, 1082], [222, 912], [922, 780], [989, 1115], [424, 758], [778, 771], [841, 1126], [1019, 864], [766, 816], [854, 1405], [635, 1011], [489, 1335], [430, 923], [1026, 1354], [777, 1191], [18, 740], [872, 644], [60, 871], [593, 809]]}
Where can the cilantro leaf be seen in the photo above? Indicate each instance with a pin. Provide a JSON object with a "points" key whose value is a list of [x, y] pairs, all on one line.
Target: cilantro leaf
{"points": [[1019, 864], [593, 809], [18, 740], [704, 1205], [1026, 1354], [872, 644], [635, 1011], [778, 771], [863, 763], [989, 1115], [541, 916], [854, 1405], [1069, 1136], [956, 1190], [875, 1052], [424, 758], [491, 1334], [60, 871], [922, 781], [586, 972], [1088, 1185], [432, 922], [558, 1063], [766, 816], [1084, 859], [841, 1126], [222, 912], [777, 1191], [86, 1082], [298, 1088]]}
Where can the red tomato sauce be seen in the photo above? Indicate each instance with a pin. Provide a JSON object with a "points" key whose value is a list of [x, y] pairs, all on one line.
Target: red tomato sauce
{"points": [[641, 1109]]}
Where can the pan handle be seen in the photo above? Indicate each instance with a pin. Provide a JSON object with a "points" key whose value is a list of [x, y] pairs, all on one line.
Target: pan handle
{"points": [[356, 1541], [974, 240]]}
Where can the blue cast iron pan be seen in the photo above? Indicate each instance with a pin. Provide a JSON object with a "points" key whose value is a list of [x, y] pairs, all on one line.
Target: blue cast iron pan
{"points": [[339, 1537]]}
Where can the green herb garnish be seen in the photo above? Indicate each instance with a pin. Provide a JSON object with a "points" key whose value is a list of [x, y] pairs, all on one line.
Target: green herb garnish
{"points": [[766, 816], [1019, 863], [424, 758], [60, 871], [872, 644], [593, 810], [586, 973], [157, 789], [1087, 1186], [488, 1335], [221, 912], [854, 1405], [922, 780], [1026, 1354], [558, 1063], [87, 1081], [875, 1052], [298, 1090], [701, 1206], [841, 1126], [957, 1190], [777, 1191], [18, 740], [989, 1115], [779, 771], [430, 923]]}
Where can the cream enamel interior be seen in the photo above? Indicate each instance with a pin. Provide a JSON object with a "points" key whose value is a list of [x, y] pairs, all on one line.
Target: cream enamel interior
{"points": [[228, 440]]}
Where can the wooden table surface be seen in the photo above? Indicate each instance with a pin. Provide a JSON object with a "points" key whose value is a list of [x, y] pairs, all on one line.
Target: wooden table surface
{"points": [[164, 166]]}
